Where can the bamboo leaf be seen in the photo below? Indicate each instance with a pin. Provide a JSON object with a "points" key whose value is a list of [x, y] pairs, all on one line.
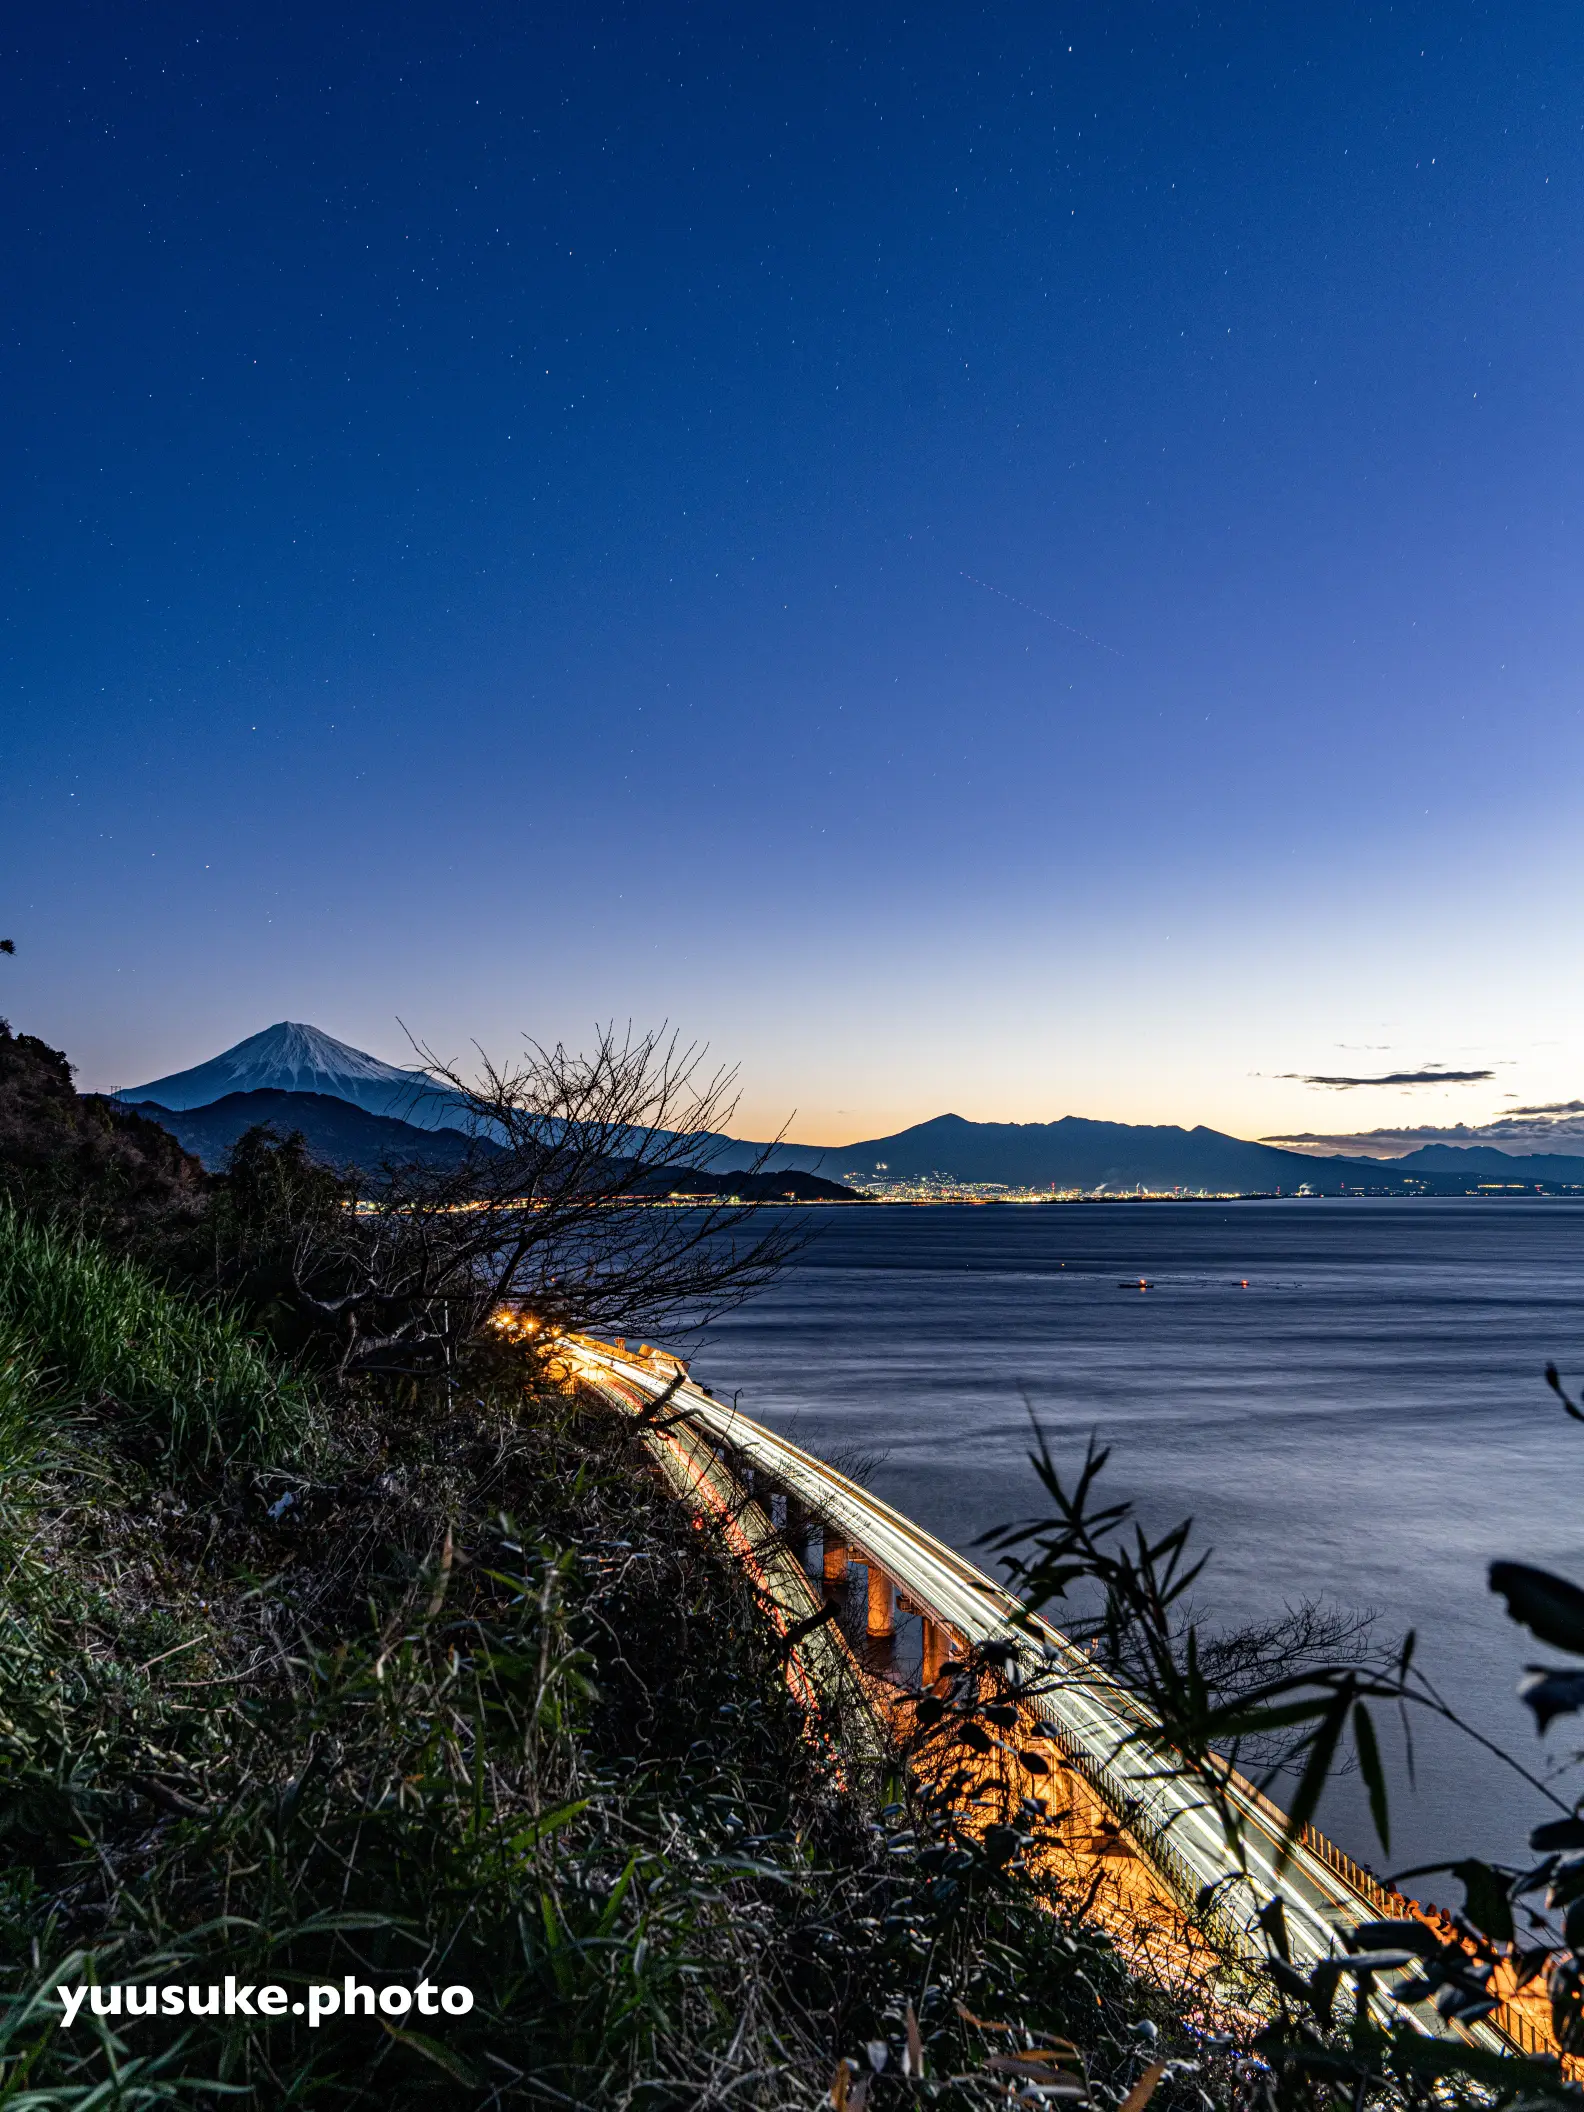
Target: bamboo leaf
{"points": [[442, 2056], [915, 2046], [1549, 1607], [612, 1908], [1144, 2089], [1322, 1752], [548, 1822], [1374, 1776], [1485, 1899]]}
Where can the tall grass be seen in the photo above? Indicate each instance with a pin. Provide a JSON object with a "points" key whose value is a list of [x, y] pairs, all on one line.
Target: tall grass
{"points": [[107, 1337], [21, 1408]]}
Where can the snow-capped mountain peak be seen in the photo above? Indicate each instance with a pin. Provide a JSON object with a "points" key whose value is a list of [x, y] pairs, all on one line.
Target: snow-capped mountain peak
{"points": [[294, 1057]]}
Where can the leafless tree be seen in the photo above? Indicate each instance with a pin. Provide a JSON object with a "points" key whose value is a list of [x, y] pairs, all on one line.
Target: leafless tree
{"points": [[1233, 1662], [586, 1201]]}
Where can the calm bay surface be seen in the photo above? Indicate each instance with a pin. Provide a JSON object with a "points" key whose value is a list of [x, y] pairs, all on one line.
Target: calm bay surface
{"points": [[1367, 1420]]}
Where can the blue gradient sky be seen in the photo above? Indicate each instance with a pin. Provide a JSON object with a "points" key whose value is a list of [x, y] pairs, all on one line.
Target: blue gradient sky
{"points": [[496, 502]]}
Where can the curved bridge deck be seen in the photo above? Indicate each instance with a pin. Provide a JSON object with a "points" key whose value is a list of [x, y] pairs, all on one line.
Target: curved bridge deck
{"points": [[1095, 1723]]}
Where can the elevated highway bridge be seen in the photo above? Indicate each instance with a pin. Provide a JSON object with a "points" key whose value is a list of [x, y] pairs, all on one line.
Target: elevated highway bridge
{"points": [[723, 1460]]}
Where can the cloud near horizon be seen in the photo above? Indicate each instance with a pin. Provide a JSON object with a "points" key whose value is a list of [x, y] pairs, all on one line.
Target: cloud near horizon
{"points": [[1431, 1075], [1558, 1126]]}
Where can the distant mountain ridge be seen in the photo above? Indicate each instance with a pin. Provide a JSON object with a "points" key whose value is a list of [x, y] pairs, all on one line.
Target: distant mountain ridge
{"points": [[1078, 1153], [1074, 1152], [1487, 1159]]}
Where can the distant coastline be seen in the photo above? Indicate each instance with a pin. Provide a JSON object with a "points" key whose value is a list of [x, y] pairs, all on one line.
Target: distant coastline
{"points": [[948, 1196]]}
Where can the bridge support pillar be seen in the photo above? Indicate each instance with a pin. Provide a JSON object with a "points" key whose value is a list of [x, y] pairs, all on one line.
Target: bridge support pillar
{"points": [[882, 1602], [796, 1529], [835, 1561], [937, 1648]]}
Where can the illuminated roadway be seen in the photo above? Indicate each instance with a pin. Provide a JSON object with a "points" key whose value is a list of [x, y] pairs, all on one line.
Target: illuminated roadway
{"points": [[1100, 1727]]}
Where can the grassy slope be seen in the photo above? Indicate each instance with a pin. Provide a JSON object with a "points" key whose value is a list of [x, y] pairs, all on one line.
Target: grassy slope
{"points": [[188, 1381], [442, 1687]]}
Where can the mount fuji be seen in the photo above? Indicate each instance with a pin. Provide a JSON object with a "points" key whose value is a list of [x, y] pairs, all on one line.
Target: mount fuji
{"points": [[293, 1058], [294, 1076]]}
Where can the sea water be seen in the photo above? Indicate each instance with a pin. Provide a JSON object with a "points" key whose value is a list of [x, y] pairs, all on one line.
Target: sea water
{"points": [[1348, 1397]]}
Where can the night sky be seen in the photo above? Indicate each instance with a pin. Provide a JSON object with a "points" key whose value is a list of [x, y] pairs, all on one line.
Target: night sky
{"points": [[1015, 559]]}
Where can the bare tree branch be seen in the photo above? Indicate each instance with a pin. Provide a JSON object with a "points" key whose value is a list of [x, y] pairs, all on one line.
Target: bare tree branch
{"points": [[573, 1208]]}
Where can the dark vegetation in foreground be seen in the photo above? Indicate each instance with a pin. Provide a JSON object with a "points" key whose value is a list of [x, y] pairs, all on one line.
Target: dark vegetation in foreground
{"points": [[308, 1672]]}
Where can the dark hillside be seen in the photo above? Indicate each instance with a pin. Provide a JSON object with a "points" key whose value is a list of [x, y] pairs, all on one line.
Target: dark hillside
{"points": [[336, 1132], [63, 1150], [752, 1187]]}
